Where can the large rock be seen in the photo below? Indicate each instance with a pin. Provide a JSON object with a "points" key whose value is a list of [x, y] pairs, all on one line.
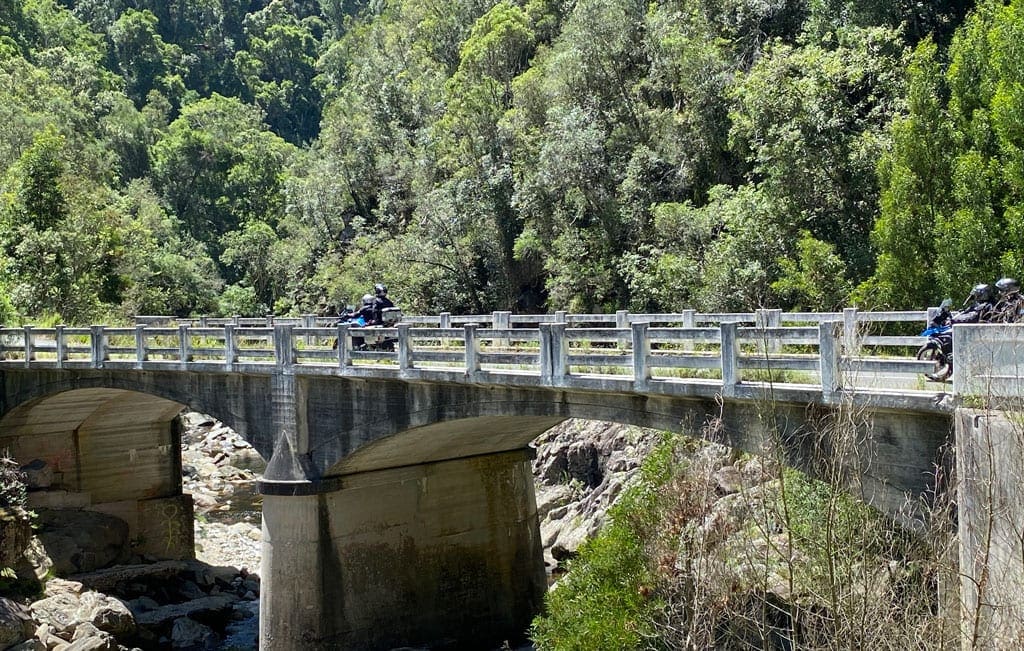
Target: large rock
{"points": [[189, 635], [15, 623], [64, 612], [106, 613], [82, 541], [214, 605]]}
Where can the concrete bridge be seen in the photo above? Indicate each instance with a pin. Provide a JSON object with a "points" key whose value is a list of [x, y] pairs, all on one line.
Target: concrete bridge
{"points": [[398, 502]]}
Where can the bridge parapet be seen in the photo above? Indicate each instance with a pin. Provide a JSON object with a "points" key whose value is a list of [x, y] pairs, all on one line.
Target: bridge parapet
{"points": [[735, 355]]}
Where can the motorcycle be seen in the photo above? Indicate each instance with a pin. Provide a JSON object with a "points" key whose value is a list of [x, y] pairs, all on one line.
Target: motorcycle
{"points": [[939, 348], [389, 317]]}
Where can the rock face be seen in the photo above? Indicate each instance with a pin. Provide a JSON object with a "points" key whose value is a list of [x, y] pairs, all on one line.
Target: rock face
{"points": [[580, 470], [15, 623], [82, 541]]}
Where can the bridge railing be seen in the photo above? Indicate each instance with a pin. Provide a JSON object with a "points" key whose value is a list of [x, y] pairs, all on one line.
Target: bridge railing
{"points": [[622, 351]]}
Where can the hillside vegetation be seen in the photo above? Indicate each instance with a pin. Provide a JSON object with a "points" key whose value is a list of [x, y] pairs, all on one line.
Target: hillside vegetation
{"points": [[243, 156]]}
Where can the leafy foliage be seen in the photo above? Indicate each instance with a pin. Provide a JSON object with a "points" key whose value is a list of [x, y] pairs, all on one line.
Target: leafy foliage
{"points": [[506, 154]]}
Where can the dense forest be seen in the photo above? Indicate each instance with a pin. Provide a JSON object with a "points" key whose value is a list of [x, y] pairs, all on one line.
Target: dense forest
{"points": [[244, 156]]}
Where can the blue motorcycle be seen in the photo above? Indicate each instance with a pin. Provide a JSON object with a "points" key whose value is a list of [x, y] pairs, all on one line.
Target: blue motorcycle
{"points": [[939, 348]]}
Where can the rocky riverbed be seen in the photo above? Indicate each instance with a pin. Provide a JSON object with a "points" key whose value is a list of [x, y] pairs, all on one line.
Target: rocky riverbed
{"points": [[212, 602]]}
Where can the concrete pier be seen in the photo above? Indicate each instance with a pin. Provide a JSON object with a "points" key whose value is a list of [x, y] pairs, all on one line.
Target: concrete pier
{"points": [[441, 553]]}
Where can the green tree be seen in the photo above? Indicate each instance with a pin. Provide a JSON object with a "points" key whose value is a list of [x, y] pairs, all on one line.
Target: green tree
{"points": [[218, 166]]}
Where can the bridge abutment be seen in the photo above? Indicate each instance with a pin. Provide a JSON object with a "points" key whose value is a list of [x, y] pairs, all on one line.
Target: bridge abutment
{"points": [[444, 551], [990, 508]]}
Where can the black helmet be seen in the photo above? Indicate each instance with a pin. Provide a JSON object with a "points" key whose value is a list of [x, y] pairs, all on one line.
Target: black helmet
{"points": [[982, 292], [380, 289], [367, 299], [1007, 285]]}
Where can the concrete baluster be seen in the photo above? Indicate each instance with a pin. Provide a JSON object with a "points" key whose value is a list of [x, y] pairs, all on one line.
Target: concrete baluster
{"points": [[621, 323], [730, 358], [641, 351], [270, 320], [829, 354], [237, 320], [472, 350], [445, 323], [344, 346], [502, 321], [184, 345], [559, 354], [561, 316], [761, 323], [284, 350], [405, 357], [204, 321], [308, 321], [29, 348], [61, 345], [773, 319], [851, 337], [140, 345], [230, 346], [98, 346], [552, 353], [688, 322]]}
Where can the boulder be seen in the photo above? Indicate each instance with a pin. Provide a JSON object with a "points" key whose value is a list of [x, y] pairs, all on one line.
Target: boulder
{"points": [[82, 541], [29, 645], [15, 623], [215, 605], [102, 642], [58, 612], [106, 613], [188, 634]]}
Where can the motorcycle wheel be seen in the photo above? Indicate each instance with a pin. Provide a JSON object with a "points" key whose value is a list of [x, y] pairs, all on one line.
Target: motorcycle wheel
{"points": [[942, 366]]}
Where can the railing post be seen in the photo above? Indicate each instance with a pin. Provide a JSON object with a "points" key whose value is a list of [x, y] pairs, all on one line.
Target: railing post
{"points": [[850, 335], [501, 321], [761, 323], [98, 346], [553, 354], [284, 351], [237, 320], [404, 346], [561, 316], [773, 319], [641, 350], [730, 358], [444, 324], [29, 348], [270, 320], [621, 323], [309, 321], [472, 350], [559, 354], [61, 345], [184, 345], [828, 351], [344, 345], [688, 322], [230, 345], [204, 321], [140, 345]]}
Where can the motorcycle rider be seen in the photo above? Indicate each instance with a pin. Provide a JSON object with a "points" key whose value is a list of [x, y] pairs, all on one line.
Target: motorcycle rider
{"points": [[982, 300], [366, 310], [1009, 307], [380, 302]]}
